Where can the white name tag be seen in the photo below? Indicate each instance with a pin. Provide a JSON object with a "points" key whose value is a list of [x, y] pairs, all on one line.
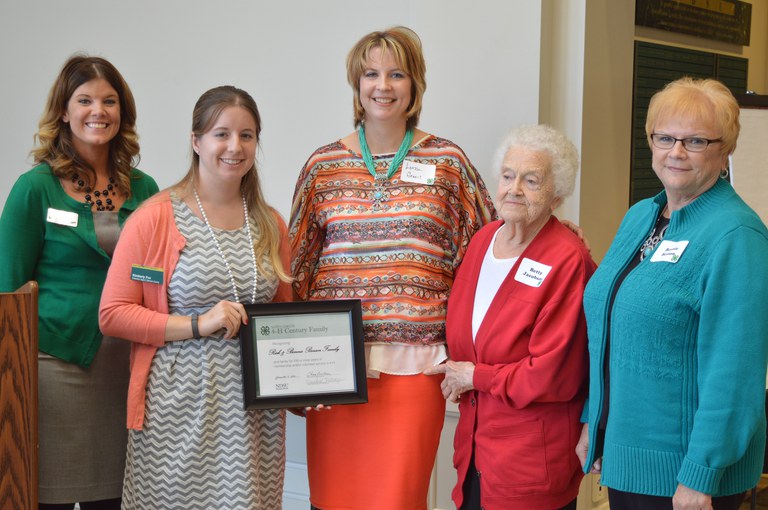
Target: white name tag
{"points": [[532, 273], [66, 218], [669, 251], [417, 172]]}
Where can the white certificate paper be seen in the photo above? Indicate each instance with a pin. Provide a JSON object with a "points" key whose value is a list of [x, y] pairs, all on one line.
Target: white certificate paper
{"points": [[303, 354]]}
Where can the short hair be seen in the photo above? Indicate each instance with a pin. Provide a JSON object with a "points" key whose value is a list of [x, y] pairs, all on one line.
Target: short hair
{"points": [[207, 110], [54, 144], [699, 99], [563, 154], [405, 47]]}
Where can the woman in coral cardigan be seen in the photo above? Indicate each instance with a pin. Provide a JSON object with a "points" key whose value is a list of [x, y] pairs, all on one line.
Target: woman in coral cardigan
{"points": [[186, 264]]}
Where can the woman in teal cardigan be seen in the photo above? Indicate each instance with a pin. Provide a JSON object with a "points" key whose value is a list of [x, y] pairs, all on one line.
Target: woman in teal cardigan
{"points": [[59, 226], [678, 339]]}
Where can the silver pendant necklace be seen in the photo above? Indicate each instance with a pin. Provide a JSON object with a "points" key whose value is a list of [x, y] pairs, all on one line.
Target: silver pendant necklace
{"points": [[655, 236], [221, 253]]}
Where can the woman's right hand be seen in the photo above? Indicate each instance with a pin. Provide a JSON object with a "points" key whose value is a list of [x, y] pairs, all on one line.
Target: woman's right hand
{"points": [[582, 448], [578, 231], [226, 315]]}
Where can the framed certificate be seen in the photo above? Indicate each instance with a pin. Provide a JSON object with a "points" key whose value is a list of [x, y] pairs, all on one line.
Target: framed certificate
{"points": [[303, 354]]}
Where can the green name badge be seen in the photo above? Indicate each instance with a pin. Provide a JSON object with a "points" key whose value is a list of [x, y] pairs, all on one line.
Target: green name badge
{"points": [[146, 274]]}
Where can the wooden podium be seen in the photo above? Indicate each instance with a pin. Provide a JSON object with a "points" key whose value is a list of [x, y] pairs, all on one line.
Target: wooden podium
{"points": [[18, 399]]}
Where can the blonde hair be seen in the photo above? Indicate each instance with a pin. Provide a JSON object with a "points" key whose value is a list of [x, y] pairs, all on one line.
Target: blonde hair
{"points": [[405, 47], [54, 144], [204, 116], [698, 99]]}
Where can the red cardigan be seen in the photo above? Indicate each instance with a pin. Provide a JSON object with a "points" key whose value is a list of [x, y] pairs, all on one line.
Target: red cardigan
{"points": [[138, 311], [530, 355]]}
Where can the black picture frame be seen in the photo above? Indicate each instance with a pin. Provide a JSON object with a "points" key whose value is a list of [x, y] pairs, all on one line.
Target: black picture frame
{"points": [[292, 339]]}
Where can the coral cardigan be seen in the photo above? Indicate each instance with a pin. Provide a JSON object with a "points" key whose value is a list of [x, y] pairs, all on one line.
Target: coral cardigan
{"points": [[530, 355], [138, 311]]}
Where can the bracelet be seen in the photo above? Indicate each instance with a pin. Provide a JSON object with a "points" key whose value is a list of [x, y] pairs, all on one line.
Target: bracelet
{"points": [[195, 330]]}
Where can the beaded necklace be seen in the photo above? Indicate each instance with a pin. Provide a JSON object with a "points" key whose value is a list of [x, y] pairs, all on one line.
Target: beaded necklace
{"points": [[247, 228], [107, 204], [380, 193]]}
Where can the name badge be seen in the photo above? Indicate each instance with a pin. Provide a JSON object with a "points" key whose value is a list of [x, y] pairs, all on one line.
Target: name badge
{"points": [[532, 273], [59, 217], [669, 251], [417, 172], [146, 274]]}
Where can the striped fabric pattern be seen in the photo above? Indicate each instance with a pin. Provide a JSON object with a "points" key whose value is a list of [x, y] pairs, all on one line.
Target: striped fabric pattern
{"points": [[199, 449], [398, 257]]}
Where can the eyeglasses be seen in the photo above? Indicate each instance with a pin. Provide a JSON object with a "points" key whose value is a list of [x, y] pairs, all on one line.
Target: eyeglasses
{"points": [[693, 144]]}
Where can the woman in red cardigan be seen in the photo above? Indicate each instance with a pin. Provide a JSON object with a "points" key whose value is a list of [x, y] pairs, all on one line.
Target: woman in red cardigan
{"points": [[517, 337]]}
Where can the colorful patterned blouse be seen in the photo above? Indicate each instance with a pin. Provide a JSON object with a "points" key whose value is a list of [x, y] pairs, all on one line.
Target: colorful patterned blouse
{"points": [[397, 253]]}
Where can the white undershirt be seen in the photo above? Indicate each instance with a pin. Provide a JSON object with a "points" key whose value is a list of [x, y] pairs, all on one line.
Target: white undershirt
{"points": [[493, 272], [402, 359]]}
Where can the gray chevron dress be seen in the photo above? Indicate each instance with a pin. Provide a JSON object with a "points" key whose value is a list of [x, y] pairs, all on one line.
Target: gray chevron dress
{"points": [[199, 449]]}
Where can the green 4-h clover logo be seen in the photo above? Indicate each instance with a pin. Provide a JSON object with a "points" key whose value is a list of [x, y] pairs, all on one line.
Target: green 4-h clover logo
{"points": [[265, 330]]}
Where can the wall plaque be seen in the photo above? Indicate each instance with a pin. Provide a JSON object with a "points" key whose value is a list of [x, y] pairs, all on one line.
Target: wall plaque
{"points": [[720, 20]]}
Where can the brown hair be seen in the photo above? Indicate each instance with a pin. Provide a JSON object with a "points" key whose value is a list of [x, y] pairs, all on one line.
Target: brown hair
{"points": [[207, 110], [405, 47], [697, 98], [54, 144]]}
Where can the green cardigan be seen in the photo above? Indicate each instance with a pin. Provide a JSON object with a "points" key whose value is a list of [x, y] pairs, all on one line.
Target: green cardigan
{"points": [[688, 350], [66, 261]]}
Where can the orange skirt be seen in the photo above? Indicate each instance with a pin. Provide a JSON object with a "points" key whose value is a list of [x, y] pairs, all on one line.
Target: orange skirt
{"points": [[377, 455]]}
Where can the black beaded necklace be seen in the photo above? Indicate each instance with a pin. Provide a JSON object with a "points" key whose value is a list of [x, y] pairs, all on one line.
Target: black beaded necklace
{"points": [[101, 205]]}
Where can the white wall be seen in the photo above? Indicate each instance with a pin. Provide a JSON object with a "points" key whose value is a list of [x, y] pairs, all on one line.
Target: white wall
{"points": [[562, 79], [748, 174], [482, 71]]}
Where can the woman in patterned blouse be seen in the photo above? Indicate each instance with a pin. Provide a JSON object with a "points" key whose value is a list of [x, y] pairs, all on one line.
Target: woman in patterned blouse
{"points": [[385, 215]]}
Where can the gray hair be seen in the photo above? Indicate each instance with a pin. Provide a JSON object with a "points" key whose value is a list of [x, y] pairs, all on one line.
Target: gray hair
{"points": [[565, 157]]}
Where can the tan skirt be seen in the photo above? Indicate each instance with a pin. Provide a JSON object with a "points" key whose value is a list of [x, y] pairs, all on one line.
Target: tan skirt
{"points": [[82, 427], [379, 455]]}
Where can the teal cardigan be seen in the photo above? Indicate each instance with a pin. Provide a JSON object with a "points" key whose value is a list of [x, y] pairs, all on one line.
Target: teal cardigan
{"points": [[688, 350], [66, 261]]}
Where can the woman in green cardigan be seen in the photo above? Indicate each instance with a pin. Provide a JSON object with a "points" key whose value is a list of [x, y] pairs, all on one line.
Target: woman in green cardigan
{"points": [[678, 339], [59, 226]]}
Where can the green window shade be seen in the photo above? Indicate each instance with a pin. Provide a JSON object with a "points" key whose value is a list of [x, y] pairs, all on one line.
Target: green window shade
{"points": [[655, 66]]}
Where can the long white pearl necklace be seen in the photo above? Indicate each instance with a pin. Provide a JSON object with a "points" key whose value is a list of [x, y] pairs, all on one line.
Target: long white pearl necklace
{"points": [[221, 253]]}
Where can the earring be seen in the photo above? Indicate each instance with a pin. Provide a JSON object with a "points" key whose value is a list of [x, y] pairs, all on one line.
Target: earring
{"points": [[724, 173]]}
